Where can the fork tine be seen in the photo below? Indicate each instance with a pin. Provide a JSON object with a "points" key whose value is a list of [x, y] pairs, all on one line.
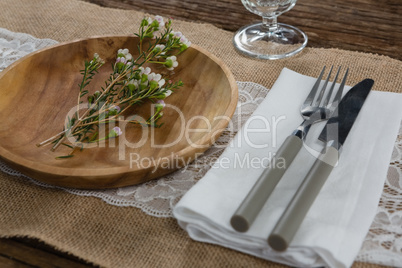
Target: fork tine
{"points": [[310, 98], [321, 94], [326, 100], [338, 95]]}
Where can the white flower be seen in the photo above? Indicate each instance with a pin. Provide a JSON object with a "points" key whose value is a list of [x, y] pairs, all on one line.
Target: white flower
{"points": [[115, 132], [159, 49], [122, 60], [168, 93], [125, 53], [161, 102], [161, 82], [157, 78], [160, 20], [134, 83], [143, 70], [157, 24], [116, 108], [171, 62], [97, 59], [154, 77], [185, 41], [177, 34]]}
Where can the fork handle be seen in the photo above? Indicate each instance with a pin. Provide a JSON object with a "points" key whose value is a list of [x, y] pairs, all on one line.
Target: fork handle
{"points": [[291, 219], [248, 210]]}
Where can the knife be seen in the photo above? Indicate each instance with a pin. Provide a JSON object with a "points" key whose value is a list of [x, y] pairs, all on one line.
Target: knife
{"points": [[334, 135], [258, 195]]}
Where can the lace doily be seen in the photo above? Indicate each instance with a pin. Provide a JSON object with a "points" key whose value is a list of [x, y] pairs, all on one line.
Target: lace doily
{"points": [[14, 46], [383, 243]]}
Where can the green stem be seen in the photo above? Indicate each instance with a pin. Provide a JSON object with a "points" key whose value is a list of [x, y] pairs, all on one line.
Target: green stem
{"points": [[83, 123], [79, 121]]}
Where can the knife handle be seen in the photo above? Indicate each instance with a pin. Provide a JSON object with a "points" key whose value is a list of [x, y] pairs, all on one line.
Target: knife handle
{"points": [[292, 217], [262, 189]]}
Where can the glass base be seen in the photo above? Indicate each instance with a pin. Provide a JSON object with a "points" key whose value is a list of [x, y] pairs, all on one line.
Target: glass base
{"points": [[286, 41]]}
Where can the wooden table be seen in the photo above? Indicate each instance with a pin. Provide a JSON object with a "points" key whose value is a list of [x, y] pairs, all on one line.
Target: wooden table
{"points": [[360, 25]]}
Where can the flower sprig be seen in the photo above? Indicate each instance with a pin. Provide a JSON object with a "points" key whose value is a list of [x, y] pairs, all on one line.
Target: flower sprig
{"points": [[130, 83]]}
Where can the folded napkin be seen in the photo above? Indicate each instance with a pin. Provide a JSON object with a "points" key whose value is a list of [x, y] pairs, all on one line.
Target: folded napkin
{"points": [[337, 223]]}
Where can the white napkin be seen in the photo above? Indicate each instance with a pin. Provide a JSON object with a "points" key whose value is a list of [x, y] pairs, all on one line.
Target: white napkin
{"points": [[337, 223]]}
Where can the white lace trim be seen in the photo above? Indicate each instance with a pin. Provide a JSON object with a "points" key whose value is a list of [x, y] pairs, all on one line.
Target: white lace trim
{"points": [[14, 46], [383, 244]]}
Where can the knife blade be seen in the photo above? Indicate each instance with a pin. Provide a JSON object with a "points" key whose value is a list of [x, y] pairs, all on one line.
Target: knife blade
{"points": [[334, 135]]}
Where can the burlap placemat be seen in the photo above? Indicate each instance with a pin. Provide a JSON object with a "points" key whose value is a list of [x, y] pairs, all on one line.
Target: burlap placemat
{"points": [[126, 237]]}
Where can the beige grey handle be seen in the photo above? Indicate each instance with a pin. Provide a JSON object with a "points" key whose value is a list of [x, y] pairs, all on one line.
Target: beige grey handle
{"points": [[291, 219], [262, 189]]}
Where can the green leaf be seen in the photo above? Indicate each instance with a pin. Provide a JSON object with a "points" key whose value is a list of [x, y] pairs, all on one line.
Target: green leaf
{"points": [[83, 93], [64, 156], [94, 137], [69, 146]]}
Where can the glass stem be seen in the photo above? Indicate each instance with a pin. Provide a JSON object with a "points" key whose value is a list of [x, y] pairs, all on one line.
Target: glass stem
{"points": [[270, 24]]}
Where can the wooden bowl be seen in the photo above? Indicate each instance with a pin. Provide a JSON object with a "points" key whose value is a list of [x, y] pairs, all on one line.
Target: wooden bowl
{"points": [[40, 89]]}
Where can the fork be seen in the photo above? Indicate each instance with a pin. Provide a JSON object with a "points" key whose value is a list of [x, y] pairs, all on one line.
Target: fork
{"points": [[315, 108], [312, 110]]}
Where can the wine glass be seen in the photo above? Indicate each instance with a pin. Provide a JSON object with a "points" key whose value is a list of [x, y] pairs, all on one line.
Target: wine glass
{"points": [[269, 39]]}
